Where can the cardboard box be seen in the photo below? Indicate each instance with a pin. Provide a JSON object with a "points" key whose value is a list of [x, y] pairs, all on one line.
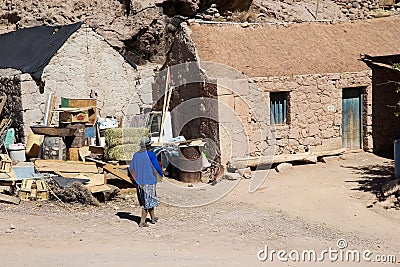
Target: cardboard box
{"points": [[81, 103], [80, 116]]}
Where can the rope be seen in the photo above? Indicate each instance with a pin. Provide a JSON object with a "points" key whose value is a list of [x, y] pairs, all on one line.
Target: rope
{"points": [[54, 194]]}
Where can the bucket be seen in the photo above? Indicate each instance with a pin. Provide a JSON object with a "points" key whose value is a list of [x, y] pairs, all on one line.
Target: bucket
{"points": [[397, 158], [17, 152], [33, 145]]}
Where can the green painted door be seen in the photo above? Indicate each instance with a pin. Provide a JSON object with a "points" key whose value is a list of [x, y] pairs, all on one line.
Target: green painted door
{"points": [[351, 118]]}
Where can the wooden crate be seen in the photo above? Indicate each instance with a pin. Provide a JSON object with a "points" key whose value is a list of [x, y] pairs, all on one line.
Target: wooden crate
{"points": [[32, 189], [5, 163], [81, 103]]}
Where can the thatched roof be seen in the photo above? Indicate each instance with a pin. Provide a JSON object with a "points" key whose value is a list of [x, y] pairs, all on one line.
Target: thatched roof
{"points": [[297, 49]]}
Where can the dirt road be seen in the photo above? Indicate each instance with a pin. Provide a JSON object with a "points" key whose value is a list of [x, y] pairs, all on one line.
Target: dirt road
{"points": [[304, 208]]}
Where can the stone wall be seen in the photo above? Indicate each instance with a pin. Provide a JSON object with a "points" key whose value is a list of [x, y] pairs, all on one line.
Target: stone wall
{"points": [[385, 124], [193, 105], [86, 66], [314, 109], [10, 86]]}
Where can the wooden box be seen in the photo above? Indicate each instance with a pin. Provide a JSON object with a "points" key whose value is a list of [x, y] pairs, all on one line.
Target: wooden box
{"points": [[81, 103], [81, 116], [5, 163], [73, 154]]}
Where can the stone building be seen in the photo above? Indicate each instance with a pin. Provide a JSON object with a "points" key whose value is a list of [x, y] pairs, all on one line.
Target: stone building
{"points": [[385, 99], [84, 66], [303, 85]]}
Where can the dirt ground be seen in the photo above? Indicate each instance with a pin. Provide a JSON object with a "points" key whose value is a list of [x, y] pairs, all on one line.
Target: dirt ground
{"points": [[303, 208]]}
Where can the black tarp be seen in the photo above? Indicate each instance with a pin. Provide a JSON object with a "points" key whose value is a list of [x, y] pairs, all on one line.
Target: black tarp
{"points": [[30, 49]]}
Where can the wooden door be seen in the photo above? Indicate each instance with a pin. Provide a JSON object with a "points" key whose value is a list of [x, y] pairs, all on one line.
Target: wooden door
{"points": [[351, 118]]}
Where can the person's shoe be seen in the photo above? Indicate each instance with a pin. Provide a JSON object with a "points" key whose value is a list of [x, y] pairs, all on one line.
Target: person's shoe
{"points": [[143, 225], [154, 220]]}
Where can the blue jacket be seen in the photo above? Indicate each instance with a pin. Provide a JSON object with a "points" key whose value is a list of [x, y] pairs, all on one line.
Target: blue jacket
{"points": [[143, 164]]}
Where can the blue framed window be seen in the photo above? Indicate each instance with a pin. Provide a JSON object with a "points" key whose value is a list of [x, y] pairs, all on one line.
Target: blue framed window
{"points": [[278, 104]]}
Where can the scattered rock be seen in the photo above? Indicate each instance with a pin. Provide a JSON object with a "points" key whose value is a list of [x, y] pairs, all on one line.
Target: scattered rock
{"points": [[12, 226], [231, 176], [329, 159], [391, 187], [245, 173], [283, 166]]}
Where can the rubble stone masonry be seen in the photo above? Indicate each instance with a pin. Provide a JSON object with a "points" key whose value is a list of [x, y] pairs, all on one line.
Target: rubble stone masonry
{"points": [[314, 112], [86, 66]]}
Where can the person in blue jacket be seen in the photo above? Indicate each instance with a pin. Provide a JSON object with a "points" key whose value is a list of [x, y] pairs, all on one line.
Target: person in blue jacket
{"points": [[143, 167]]}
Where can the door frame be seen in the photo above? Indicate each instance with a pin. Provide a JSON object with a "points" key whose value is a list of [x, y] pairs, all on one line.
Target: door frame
{"points": [[361, 94]]}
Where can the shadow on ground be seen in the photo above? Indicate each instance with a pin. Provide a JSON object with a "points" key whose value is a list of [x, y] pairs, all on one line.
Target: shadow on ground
{"points": [[374, 177], [128, 216]]}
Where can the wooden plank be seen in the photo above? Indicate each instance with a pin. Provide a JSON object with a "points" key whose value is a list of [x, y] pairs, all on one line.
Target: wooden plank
{"points": [[51, 109], [98, 188], [65, 166], [123, 176], [240, 163], [9, 199], [2, 103], [95, 180]]}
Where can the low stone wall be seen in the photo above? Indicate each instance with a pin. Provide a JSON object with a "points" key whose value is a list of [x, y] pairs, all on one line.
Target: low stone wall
{"points": [[314, 112]]}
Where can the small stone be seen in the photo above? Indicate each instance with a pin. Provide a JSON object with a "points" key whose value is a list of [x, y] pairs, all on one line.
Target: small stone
{"points": [[207, 17], [12, 227], [245, 173], [352, 16], [283, 166]]}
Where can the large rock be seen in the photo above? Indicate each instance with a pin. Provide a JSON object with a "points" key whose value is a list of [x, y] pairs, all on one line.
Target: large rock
{"points": [[228, 5], [180, 7]]}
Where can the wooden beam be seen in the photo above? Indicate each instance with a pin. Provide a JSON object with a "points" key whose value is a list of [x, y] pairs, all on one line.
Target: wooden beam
{"points": [[10, 199], [51, 109], [2, 103], [123, 176], [240, 163], [65, 166]]}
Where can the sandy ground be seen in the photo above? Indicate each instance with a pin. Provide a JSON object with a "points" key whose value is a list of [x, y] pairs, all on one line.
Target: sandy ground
{"points": [[303, 208]]}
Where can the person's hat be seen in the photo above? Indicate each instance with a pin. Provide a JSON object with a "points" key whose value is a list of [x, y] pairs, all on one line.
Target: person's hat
{"points": [[145, 141]]}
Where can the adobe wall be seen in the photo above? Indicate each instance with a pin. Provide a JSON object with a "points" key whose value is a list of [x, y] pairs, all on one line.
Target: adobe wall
{"points": [[315, 112], [87, 66]]}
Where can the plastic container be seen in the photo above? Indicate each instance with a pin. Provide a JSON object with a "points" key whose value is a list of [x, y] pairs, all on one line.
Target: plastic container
{"points": [[17, 152], [33, 145], [9, 137], [397, 158]]}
